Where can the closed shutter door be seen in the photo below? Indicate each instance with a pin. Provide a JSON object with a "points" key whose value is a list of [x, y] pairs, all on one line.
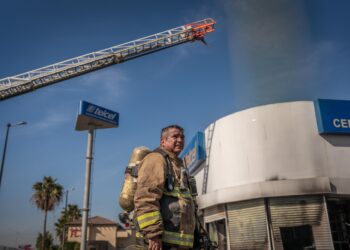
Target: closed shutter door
{"points": [[247, 225], [214, 213], [322, 232], [298, 211]]}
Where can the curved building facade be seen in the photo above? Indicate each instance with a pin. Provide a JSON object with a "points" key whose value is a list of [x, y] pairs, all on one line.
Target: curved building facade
{"points": [[277, 177]]}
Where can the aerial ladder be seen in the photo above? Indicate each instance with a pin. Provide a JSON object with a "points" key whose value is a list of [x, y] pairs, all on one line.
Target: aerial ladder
{"points": [[38, 78]]}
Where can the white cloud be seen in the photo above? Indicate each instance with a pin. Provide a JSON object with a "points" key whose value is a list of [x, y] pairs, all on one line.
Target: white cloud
{"points": [[109, 82], [51, 121]]}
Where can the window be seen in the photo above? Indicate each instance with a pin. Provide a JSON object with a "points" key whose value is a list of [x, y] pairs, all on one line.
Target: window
{"points": [[297, 238], [339, 219], [217, 233]]}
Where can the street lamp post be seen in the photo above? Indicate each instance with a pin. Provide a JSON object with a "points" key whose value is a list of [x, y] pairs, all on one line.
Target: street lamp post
{"points": [[8, 125], [65, 213]]}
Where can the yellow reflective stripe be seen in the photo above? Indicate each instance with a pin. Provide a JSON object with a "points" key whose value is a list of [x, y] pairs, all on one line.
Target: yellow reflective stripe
{"points": [[139, 235], [178, 194], [148, 219], [180, 239]]}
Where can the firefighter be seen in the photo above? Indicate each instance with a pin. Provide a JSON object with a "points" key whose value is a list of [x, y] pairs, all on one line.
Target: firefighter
{"points": [[164, 206]]}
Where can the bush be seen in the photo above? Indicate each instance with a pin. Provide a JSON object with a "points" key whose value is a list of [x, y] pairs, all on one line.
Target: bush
{"points": [[71, 246]]}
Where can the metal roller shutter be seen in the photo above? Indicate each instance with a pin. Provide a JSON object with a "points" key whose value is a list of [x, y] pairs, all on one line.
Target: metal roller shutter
{"points": [[214, 213], [247, 225], [298, 211], [322, 232]]}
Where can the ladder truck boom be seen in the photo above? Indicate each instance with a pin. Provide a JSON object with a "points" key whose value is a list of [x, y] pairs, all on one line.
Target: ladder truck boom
{"points": [[38, 78]]}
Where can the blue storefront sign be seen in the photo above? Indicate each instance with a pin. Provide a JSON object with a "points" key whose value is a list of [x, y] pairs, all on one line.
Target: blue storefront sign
{"points": [[93, 115], [333, 116], [194, 153]]}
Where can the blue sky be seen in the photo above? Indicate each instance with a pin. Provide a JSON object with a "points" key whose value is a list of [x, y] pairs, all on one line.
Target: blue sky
{"points": [[262, 52]]}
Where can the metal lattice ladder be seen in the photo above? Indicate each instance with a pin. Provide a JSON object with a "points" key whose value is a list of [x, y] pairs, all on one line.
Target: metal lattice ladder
{"points": [[207, 160], [32, 80]]}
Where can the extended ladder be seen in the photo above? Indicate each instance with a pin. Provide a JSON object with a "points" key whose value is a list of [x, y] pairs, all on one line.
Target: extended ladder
{"points": [[29, 81], [207, 160]]}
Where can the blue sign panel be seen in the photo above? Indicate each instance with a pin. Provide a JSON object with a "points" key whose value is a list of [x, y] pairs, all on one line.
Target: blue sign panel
{"points": [[194, 153], [333, 116], [96, 116]]}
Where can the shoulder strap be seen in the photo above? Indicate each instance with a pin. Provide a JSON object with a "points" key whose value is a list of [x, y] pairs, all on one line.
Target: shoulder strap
{"points": [[133, 171], [169, 173]]}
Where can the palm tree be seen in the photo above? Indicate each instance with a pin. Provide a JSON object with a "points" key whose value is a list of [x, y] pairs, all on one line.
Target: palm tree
{"points": [[47, 195], [59, 226], [72, 213], [48, 241]]}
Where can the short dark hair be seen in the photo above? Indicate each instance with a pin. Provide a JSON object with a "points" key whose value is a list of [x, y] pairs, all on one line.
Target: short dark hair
{"points": [[166, 129]]}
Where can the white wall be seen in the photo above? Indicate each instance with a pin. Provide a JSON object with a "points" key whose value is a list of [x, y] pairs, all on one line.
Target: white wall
{"points": [[274, 143]]}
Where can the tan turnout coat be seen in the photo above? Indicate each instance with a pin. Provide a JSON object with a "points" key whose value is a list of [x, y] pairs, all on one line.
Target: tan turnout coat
{"points": [[160, 212]]}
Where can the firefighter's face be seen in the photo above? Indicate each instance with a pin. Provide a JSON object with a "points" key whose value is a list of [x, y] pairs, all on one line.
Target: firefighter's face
{"points": [[173, 141]]}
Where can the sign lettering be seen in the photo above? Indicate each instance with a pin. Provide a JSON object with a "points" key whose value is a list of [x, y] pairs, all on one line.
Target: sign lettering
{"points": [[75, 232], [333, 116], [91, 115], [194, 153]]}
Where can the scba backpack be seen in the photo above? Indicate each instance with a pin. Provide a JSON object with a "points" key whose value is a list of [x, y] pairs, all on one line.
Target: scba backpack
{"points": [[126, 198]]}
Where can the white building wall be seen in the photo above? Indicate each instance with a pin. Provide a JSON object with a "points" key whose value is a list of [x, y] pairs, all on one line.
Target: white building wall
{"points": [[199, 180], [257, 151]]}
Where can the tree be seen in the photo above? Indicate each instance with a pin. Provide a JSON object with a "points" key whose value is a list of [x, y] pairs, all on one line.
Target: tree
{"points": [[72, 246], [59, 226], [47, 195], [48, 241], [72, 213]]}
